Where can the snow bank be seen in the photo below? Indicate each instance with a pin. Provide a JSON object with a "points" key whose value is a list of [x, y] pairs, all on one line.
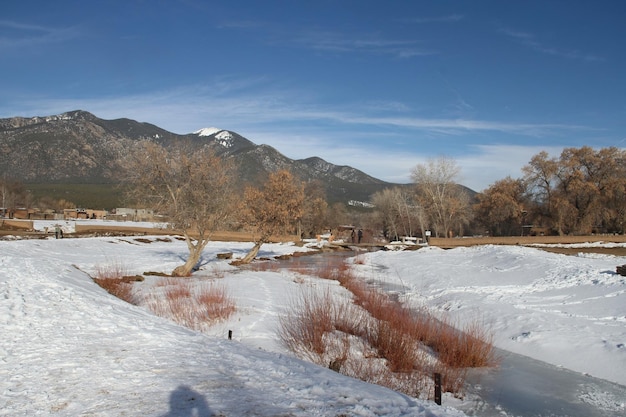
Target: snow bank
{"points": [[69, 348], [565, 310]]}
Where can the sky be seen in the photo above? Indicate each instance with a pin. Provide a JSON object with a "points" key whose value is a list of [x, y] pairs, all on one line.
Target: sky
{"points": [[381, 86]]}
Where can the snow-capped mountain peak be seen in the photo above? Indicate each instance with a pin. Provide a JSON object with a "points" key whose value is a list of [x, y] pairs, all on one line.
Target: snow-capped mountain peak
{"points": [[207, 131], [223, 137]]}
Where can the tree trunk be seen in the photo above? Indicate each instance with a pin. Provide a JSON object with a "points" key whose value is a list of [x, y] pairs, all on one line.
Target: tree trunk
{"points": [[253, 253], [193, 259]]}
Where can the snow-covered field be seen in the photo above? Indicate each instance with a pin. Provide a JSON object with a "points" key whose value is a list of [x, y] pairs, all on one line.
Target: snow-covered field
{"points": [[68, 348]]}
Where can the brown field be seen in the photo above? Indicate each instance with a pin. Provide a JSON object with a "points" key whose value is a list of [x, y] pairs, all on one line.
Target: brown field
{"points": [[448, 243], [25, 228]]}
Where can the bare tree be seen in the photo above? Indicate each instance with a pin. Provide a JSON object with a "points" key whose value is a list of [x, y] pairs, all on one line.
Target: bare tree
{"points": [[13, 194], [189, 184], [444, 202], [274, 209], [398, 213], [314, 217]]}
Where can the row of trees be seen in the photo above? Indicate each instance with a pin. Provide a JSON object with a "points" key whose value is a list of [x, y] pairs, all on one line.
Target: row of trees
{"points": [[14, 195], [582, 191], [196, 189], [434, 202]]}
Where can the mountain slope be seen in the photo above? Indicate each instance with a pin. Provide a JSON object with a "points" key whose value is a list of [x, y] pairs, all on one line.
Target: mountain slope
{"points": [[78, 147]]}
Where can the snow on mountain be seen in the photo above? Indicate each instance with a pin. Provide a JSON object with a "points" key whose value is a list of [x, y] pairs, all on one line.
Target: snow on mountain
{"points": [[223, 137], [207, 131]]}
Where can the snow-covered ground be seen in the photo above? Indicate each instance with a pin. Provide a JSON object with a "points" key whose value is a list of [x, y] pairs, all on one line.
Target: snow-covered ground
{"points": [[68, 348], [556, 308]]}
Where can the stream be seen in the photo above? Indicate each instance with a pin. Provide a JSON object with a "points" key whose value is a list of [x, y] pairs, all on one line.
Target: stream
{"points": [[520, 386]]}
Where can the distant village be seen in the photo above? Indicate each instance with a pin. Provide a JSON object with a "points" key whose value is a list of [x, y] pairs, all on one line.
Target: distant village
{"points": [[118, 214]]}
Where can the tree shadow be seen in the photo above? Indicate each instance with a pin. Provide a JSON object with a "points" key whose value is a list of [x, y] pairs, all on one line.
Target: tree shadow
{"points": [[185, 402]]}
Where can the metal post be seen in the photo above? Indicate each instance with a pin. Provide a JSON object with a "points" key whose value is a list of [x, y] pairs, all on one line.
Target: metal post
{"points": [[437, 388]]}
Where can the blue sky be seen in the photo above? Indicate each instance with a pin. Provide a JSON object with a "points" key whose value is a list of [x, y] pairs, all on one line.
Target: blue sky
{"points": [[378, 85]]}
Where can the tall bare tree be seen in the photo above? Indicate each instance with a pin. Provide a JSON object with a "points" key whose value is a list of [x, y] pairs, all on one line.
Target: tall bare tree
{"points": [[274, 209], [189, 184], [444, 202], [398, 213]]}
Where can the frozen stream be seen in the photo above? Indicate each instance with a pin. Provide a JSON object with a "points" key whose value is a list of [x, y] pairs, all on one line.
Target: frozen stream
{"points": [[522, 386]]}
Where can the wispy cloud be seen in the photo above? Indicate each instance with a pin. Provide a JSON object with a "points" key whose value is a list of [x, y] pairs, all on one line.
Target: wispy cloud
{"points": [[529, 40], [231, 102], [21, 35], [338, 42], [502, 160]]}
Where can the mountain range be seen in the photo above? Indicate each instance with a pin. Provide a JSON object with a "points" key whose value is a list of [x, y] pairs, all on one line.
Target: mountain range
{"points": [[79, 148]]}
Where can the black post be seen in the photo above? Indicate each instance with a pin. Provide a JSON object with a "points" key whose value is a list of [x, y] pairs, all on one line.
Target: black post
{"points": [[437, 388], [230, 335]]}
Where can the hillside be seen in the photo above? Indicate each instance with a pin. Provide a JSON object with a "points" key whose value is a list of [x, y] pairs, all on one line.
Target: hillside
{"points": [[56, 153]]}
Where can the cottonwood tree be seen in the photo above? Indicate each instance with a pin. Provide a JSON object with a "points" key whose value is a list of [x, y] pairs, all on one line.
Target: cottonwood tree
{"points": [[540, 175], [274, 209], [444, 202], [188, 183], [582, 191], [314, 217], [501, 207], [398, 213]]}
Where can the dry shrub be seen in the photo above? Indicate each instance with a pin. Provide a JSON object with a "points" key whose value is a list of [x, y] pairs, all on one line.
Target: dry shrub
{"points": [[218, 305], [114, 278], [178, 288], [302, 329], [111, 270], [410, 345], [469, 347], [193, 305], [398, 348], [118, 288]]}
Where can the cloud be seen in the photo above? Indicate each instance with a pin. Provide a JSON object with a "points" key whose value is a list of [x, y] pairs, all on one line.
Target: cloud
{"points": [[338, 42], [247, 103], [530, 41], [485, 164], [25, 34]]}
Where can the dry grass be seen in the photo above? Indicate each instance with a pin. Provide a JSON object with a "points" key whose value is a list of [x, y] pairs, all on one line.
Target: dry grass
{"points": [[185, 301], [190, 304], [378, 340], [308, 320], [216, 302], [114, 278]]}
